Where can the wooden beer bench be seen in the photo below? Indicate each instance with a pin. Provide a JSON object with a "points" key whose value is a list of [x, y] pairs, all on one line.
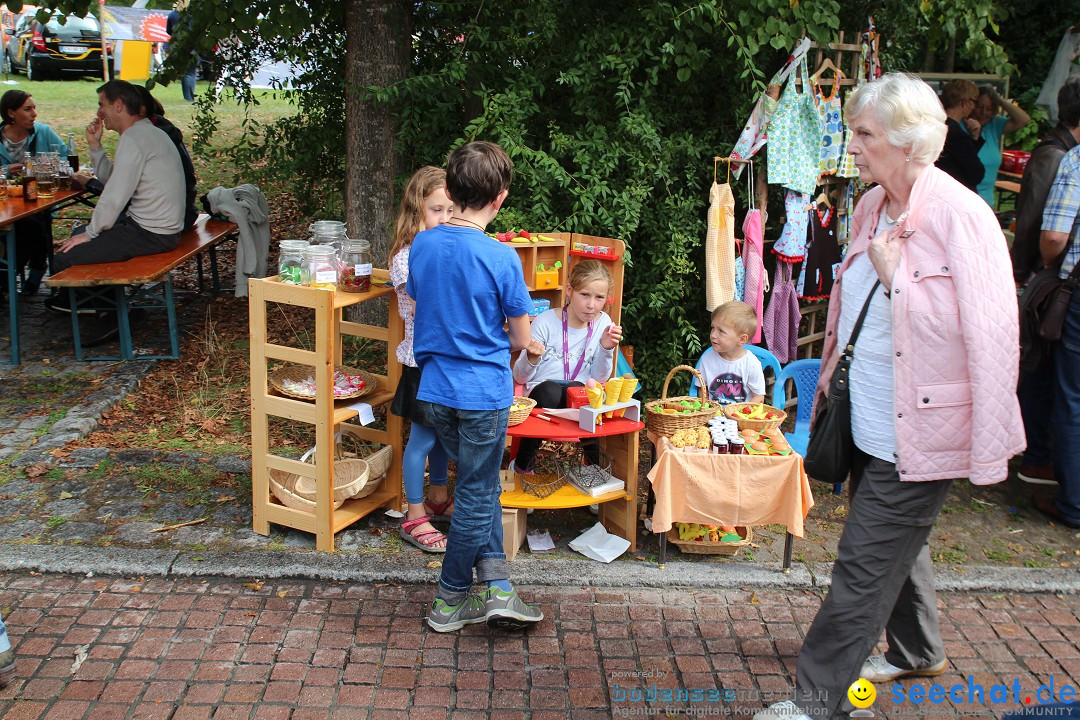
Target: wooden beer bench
{"points": [[144, 280]]}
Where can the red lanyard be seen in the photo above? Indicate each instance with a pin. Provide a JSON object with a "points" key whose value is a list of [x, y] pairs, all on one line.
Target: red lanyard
{"points": [[566, 348]]}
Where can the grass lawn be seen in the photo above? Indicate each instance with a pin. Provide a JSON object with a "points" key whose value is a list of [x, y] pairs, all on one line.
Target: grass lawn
{"points": [[69, 105]]}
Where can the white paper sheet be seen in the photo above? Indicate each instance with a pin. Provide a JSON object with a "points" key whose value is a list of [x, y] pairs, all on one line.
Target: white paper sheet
{"points": [[568, 413], [364, 412], [597, 543]]}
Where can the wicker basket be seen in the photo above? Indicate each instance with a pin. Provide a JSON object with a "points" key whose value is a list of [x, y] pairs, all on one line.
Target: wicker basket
{"points": [[733, 412], [377, 456], [521, 414], [299, 373], [706, 547], [665, 424], [550, 472], [353, 478]]}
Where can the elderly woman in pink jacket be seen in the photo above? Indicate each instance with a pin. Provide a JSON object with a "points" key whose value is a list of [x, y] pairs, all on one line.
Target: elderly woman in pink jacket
{"points": [[932, 391]]}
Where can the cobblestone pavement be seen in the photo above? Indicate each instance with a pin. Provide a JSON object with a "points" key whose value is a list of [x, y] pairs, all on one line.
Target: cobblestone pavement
{"points": [[108, 648]]}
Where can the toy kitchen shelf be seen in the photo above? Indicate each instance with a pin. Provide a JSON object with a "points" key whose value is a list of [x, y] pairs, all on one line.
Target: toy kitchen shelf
{"points": [[619, 440], [325, 414], [534, 254]]}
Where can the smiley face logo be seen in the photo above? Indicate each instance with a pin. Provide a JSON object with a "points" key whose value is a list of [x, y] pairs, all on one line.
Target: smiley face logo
{"points": [[862, 693]]}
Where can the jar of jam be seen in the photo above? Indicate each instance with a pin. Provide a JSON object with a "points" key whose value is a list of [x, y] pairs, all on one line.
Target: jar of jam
{"points": [[320, 267], [356, 266], [291, 261]]}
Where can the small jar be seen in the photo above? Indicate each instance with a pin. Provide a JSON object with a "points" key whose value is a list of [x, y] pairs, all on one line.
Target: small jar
{"points": [[320, 267], [736, 446], [291, 261], [356, 266]]}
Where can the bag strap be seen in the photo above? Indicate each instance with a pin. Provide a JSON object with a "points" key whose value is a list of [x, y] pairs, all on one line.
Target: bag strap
{"points": [[850, 349]]}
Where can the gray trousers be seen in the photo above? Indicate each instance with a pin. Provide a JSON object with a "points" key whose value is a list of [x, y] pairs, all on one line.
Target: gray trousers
{"points": [[123, 241], [882, 579]]}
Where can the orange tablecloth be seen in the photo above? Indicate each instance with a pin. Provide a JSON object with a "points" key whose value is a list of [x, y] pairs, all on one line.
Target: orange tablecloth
{"points": [[728, 489]]}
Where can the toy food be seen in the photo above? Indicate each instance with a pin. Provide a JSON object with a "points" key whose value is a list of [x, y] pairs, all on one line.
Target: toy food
{"points": [[757, 447], [773, 433], [596, 395], [749, 434], [629, 385], [612, 388]]}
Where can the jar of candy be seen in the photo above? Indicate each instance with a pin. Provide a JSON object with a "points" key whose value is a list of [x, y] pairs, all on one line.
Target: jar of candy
{"points": [[291, 260], [356, 266], [320, 267]]}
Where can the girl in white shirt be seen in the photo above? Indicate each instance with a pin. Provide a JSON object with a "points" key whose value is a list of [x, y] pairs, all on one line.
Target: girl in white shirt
{"points": [[568, 346]]}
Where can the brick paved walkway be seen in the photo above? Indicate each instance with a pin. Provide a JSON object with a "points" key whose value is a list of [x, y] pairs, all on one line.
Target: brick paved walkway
{"points": [[169, 649]]}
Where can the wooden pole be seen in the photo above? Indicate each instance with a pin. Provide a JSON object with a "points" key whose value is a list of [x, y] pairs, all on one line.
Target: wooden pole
{"points": [[104, 46]]}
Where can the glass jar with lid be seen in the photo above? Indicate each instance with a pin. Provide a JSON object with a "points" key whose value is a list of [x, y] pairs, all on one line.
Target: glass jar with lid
{"points": [[320, 267], [356, 266], [291, 260]]}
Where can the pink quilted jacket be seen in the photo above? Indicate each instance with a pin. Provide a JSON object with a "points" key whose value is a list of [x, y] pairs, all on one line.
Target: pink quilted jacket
{"points": [[955, 334]]}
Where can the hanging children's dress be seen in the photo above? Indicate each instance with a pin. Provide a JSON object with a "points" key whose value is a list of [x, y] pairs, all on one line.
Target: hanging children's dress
{"points": [[832, 140], [755, 131], [791, 246], [795, 137], [720, 247], [822, 256], [754, 264], [781, 321]]}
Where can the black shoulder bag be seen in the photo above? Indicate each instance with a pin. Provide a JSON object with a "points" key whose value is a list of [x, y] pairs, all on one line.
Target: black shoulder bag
{"points": [[828, 454], [1043, 306]]}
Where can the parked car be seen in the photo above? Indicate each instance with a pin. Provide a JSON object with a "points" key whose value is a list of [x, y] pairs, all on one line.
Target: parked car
{"points": [[66, 45]]}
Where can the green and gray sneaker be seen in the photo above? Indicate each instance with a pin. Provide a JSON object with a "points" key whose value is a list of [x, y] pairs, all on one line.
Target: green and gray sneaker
{"points": [[507, 611], [7, 667], [447, 618]]}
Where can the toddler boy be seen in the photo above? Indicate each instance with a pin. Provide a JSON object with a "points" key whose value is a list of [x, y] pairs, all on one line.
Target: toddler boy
{"points": [[466, 287], [732, 373]]}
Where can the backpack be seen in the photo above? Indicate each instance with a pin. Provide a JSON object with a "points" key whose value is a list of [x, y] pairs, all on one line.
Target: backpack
{"points": [[1042, 313]]}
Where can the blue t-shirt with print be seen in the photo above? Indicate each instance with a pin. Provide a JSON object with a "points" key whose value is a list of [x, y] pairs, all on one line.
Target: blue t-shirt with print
{"points": [[465, 285]]}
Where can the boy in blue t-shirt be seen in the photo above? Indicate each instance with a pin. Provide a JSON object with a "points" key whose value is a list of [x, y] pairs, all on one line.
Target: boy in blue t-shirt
{"points": [[466, 287]]}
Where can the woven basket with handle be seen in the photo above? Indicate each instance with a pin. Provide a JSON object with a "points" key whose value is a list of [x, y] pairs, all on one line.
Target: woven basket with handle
{"points": [[352, 479], [666, 424]]}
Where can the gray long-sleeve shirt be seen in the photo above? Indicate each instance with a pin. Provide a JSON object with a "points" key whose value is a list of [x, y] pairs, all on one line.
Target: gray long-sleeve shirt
{"points": [[147, 177]]}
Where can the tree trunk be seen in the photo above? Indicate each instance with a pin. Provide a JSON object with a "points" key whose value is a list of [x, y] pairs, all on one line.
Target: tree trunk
{"points": [[376, 53]]}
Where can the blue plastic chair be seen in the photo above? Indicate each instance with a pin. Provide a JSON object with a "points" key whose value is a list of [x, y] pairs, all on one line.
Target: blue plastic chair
{"points": [[768, 361], [804, 373]]}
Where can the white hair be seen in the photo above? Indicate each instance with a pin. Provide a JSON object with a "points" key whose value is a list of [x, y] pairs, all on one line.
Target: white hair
{"points": [[908, 109]]}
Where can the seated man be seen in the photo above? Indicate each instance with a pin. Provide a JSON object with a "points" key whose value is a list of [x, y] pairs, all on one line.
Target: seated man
{"points": [[153, 110], [141, 208]]}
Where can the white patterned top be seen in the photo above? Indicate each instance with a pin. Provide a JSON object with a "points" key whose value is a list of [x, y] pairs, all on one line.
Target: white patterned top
{"points": [[399, 273]]}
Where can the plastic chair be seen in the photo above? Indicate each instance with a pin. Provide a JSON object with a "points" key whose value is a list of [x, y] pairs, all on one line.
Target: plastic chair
{"points": [[804, 373], [768, 360]]}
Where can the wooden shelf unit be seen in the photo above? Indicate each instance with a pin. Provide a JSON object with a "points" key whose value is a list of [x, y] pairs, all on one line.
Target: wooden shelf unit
{"points": [[326, 415]]}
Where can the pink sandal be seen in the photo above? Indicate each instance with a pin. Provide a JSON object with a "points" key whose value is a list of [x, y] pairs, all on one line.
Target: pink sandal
{"points": [[437, 511], [425, 539]]}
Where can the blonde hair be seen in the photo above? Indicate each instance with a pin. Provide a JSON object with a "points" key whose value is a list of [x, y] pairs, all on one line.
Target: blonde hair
{"points": [[909, 112], [738, 315], [589, 271], [410, 218]]}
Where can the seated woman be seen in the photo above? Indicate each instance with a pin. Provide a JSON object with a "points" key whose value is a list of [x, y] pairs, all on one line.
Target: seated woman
{"points": [[568, 346], [21, 136]]}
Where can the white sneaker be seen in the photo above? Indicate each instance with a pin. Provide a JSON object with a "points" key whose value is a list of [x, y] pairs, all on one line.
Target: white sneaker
{"points": [[786, 710], [877, 669]]}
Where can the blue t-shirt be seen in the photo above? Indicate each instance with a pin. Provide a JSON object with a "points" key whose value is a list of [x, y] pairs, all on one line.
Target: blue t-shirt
{"points": [[990, 156], [465, 286]]}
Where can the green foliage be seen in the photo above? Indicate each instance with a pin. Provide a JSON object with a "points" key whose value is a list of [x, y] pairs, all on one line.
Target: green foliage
{"points": [[971, 22]]}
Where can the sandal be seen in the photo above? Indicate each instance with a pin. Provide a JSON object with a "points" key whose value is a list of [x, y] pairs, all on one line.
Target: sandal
{"points": [[438, 511], [424, 539]]}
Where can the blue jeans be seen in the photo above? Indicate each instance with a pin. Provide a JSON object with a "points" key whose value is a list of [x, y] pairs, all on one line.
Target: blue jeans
{"points": [[423, 446], [5, 644], [1036, 394], [1067, 414], [475, 440]]}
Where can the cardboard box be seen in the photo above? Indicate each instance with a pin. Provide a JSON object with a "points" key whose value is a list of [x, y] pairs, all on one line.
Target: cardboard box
{"points": [[513, 522]]}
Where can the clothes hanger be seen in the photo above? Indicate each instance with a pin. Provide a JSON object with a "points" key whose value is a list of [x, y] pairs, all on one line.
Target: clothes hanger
{"points": [[716, 162], [826, 65], [823, 199]]}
